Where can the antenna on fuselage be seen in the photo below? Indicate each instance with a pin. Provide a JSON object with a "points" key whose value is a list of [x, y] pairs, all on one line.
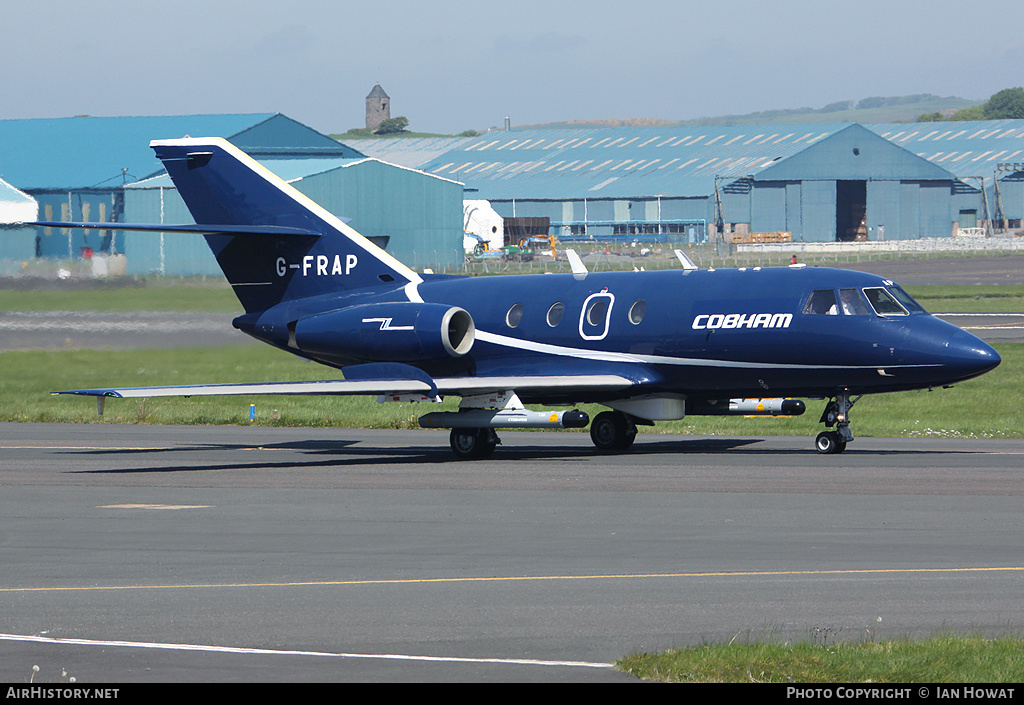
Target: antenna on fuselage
{"points": [[579, 270], [685, 261]]}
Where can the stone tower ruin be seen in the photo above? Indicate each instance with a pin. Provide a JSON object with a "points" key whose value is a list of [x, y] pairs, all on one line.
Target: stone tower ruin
{"points": [[378, 107]]}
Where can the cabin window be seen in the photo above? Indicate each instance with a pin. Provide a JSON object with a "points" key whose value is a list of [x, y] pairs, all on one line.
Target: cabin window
{"points": [[596, 315], [884, 303], [555, 313], [822, 301], [637, 311], [596, 311], [852, 303], [514, 315]]}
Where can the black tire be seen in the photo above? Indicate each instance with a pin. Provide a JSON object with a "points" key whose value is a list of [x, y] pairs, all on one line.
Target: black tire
{"points": [[473, 443], [611, 431], [829, 443]]}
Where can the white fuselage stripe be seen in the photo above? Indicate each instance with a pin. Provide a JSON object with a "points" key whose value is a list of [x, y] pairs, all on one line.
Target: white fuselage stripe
{"points": [[413, 292]]}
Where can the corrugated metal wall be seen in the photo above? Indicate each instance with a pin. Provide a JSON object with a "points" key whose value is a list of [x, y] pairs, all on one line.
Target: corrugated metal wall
{"points": [[61, 243], [180, 254], [421, 214], [884, 212], [602, 215], [17, 246], [936, 219], [818, 211]]}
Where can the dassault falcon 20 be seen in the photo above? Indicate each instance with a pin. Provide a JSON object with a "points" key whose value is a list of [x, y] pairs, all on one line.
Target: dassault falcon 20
{"points": [[649, 345]]}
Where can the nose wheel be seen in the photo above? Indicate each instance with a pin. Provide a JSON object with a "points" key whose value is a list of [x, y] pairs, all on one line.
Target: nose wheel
{"points": [[829, 442], [837, 413]]}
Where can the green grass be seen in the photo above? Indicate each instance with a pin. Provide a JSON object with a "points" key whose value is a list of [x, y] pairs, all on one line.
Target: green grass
{"points": [[985, 407], [940, 659], [195, 294], [1000, 298], [30, 376]]}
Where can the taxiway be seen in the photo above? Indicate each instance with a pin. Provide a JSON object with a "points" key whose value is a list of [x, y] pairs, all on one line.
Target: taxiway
{"points": [[148, 553]]}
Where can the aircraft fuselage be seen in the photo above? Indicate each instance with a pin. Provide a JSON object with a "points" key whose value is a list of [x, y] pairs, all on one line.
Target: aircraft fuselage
{"points": [[702, 333]]}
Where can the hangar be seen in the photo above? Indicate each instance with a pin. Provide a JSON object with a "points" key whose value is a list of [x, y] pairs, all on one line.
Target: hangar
{"points": [[986, 156], [80, 169], [76, 168], [819, 182], [16, 207]]}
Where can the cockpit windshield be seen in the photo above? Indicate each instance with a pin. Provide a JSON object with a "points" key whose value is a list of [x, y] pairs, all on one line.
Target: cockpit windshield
{"points": [[906, 299], [889, 300], [884, 303]]}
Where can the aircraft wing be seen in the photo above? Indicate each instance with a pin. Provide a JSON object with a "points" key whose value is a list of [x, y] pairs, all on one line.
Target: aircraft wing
{"points": [[341, 387], [456, 386]]}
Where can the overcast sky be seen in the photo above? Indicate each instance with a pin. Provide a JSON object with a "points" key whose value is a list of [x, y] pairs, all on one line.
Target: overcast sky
{"points": [[450, 66]]}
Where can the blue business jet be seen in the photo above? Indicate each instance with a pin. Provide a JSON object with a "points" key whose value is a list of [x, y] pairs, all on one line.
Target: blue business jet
{"points": [[649, 346]]}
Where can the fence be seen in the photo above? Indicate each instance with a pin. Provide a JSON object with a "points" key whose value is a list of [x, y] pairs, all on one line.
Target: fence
{"points": [[617, 258]]}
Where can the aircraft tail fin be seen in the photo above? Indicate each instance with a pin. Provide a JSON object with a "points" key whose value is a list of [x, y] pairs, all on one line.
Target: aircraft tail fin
{"points": [[285, 246]]}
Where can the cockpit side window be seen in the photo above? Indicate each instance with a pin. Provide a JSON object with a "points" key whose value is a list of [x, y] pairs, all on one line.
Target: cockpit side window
{"points": [[884, 303], [852, 303], [822, 301]]}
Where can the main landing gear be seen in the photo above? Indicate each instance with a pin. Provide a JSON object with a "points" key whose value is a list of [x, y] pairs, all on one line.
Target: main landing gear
{"points": [[612, 431], [473, 436], [837, 413], [473, 443]]}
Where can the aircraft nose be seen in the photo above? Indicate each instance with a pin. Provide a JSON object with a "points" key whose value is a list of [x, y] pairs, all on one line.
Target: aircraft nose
{"points": [[969, 356]]}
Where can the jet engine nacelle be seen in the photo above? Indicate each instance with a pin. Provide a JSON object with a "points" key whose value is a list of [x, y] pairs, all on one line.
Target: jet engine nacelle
{"points": [[388, 332]]}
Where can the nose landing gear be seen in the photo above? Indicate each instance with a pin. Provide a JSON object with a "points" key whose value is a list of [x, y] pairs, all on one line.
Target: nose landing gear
{"points": [[837, 413]]}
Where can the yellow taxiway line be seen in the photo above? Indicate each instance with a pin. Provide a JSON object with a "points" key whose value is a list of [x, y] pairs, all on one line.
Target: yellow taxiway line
{"points": [[533, 578]]}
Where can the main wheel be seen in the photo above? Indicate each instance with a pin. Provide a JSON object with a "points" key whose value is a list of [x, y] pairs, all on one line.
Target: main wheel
{"points": [[473, 443], [829, 443], [611, 431]]}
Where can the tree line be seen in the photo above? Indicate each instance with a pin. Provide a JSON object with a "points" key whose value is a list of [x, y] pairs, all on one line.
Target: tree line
{"points": [[1007, 104]]}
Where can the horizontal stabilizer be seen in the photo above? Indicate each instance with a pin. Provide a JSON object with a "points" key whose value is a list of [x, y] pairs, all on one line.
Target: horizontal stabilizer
{"points": [[198, 229]]}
